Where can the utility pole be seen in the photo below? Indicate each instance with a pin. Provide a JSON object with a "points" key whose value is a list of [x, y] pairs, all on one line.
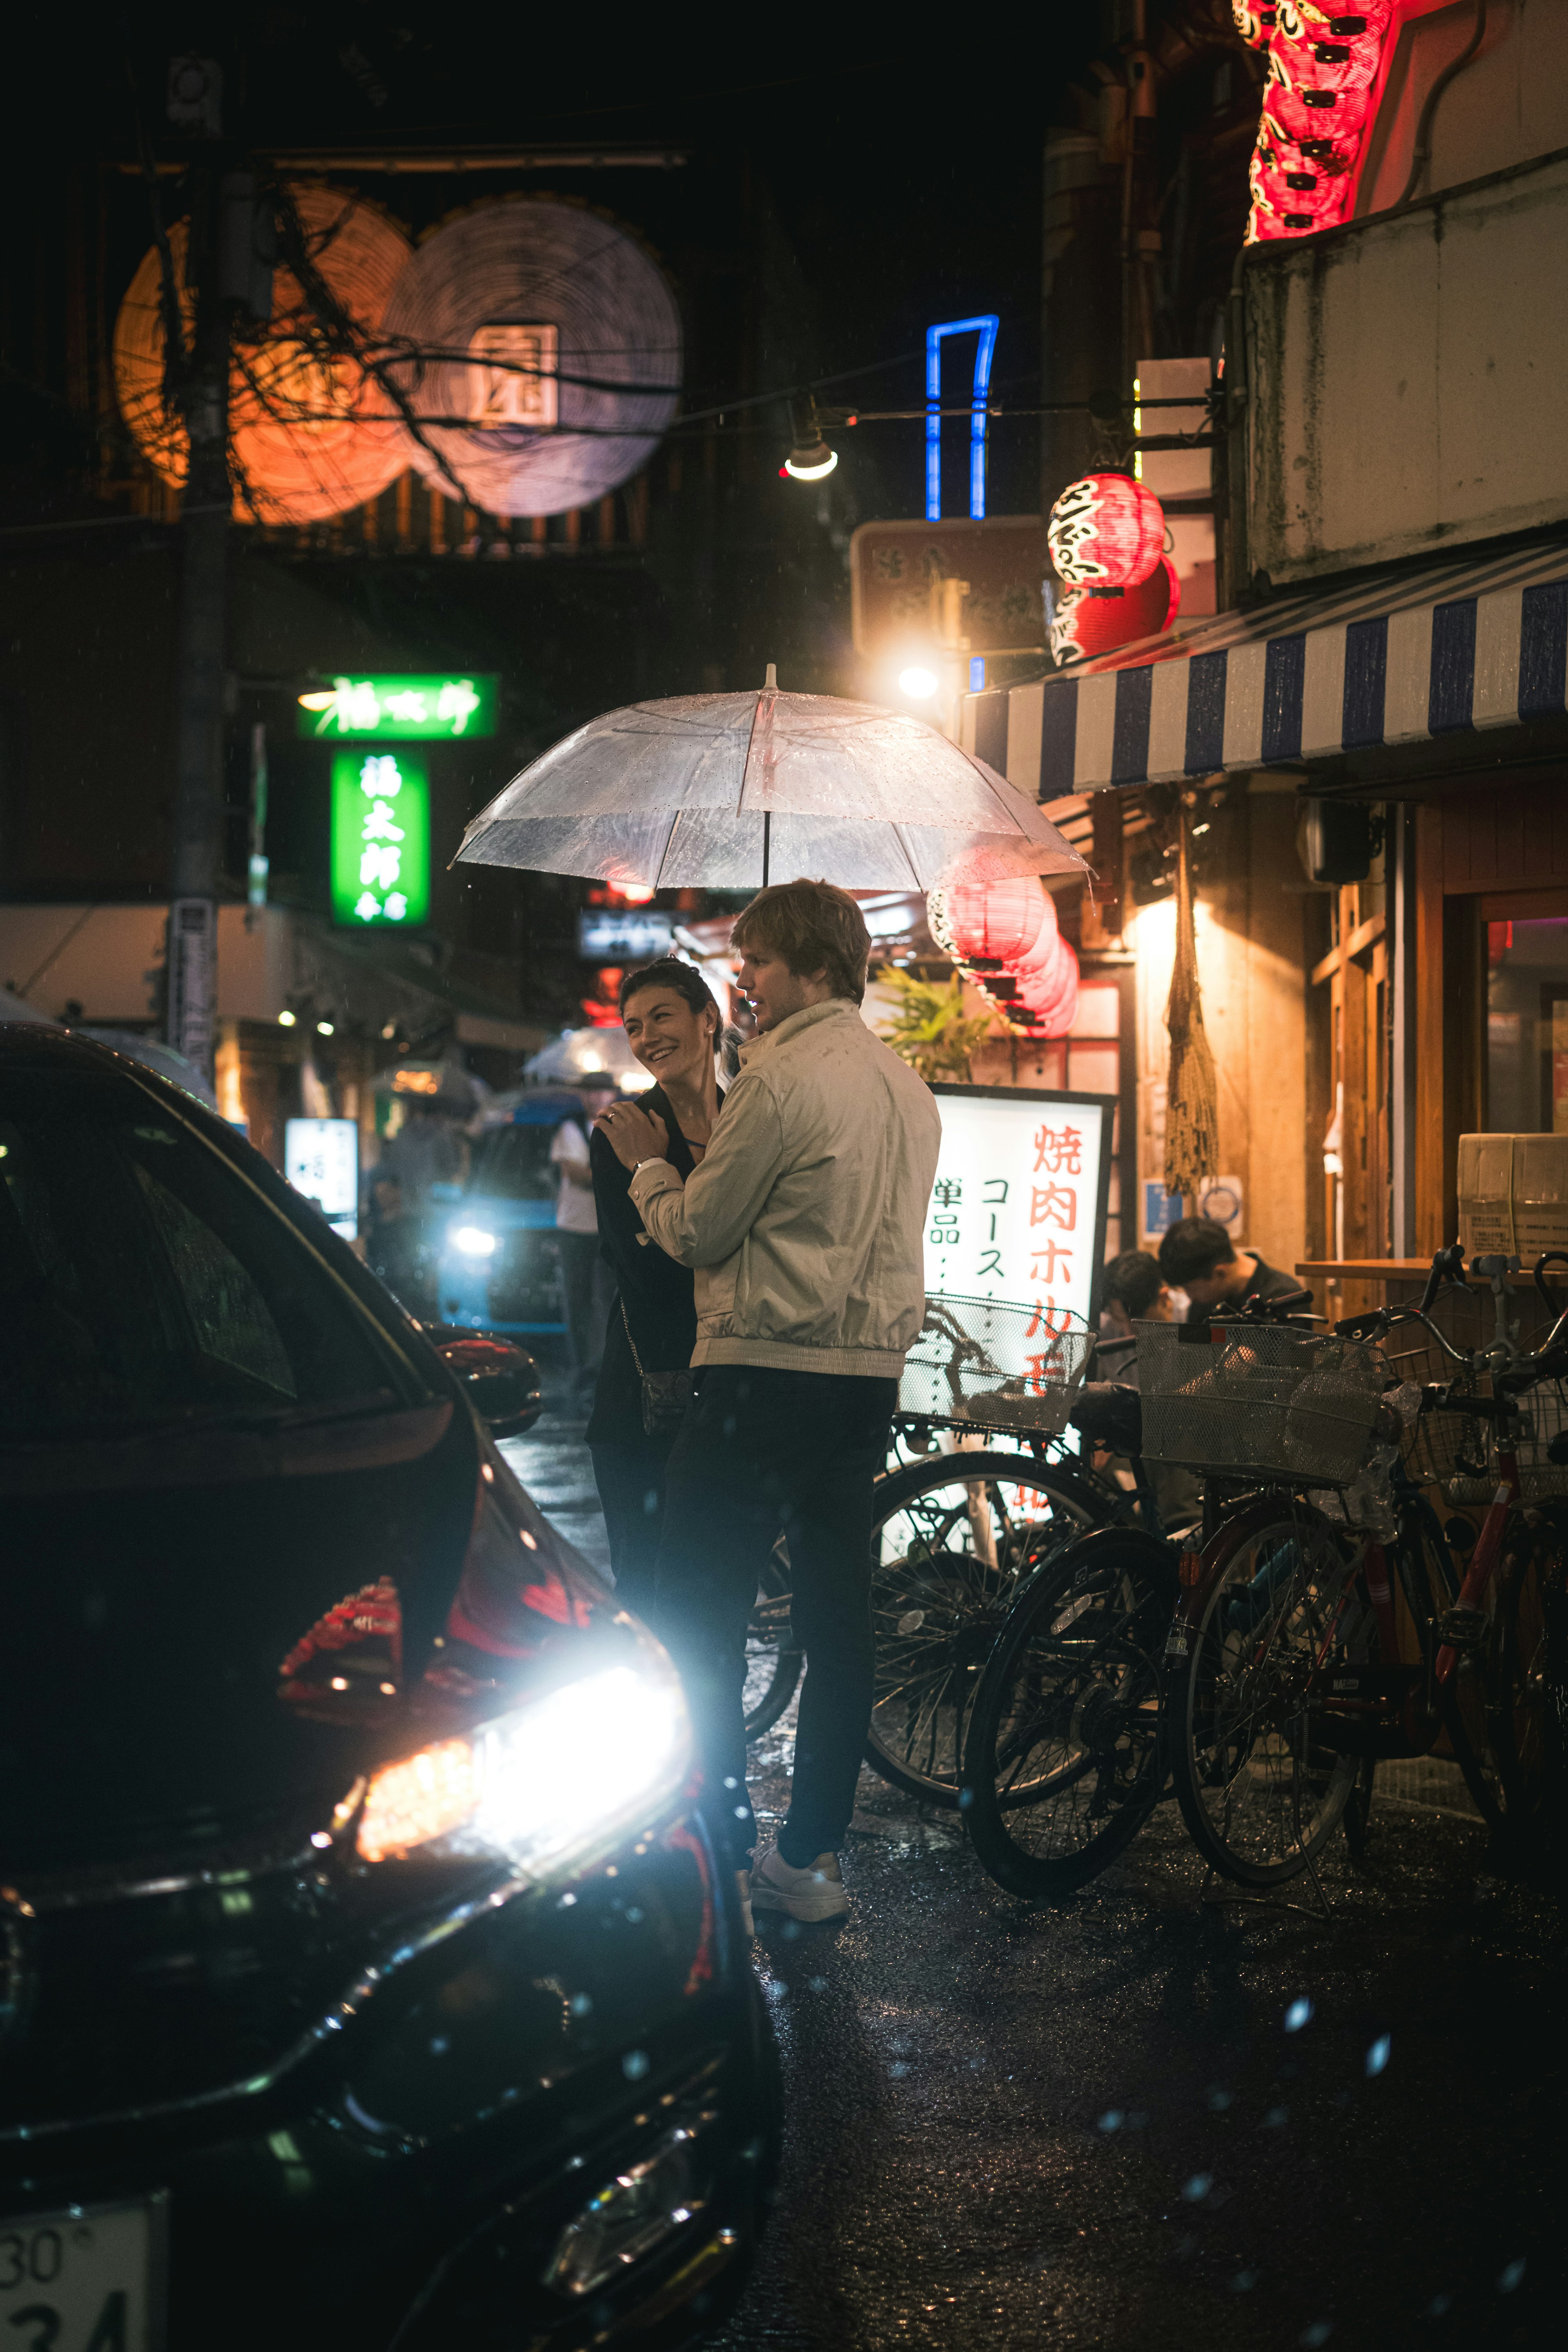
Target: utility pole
{"points": [[197, 850], [230, 246]]}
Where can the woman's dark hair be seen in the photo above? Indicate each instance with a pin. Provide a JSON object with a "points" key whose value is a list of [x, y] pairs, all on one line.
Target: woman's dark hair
{"points": [[1134, 1279], [682, 979]]}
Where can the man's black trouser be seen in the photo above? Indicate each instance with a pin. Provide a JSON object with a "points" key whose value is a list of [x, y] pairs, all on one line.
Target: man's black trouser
{"points": [[760, 1449]]}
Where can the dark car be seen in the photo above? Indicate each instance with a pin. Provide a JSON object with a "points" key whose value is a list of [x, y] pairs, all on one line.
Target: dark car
{"points": [[367, 1977], [498, 1261]]}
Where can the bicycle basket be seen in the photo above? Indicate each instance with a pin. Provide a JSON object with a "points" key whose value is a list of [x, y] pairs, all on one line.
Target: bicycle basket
{"points": [[985, 1363], [1261, 1399]]}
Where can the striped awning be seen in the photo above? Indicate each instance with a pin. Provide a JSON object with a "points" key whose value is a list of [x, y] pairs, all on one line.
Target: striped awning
{"points": [[1393, 661]]}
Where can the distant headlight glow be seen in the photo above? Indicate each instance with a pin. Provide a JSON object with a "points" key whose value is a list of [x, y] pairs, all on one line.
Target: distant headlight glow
{"points": [[473, 1240], [546, 1784]]}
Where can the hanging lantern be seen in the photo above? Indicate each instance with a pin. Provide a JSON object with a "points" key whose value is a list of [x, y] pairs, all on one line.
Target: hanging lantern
{"points": [[312, 434], [1323, 65], [1085, 625], [556, 354], [1105, 531], [1012, 924], [1253, 22]]}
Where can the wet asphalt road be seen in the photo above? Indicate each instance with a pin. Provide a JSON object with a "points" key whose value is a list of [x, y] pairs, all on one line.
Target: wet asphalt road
{"points": [[1093, 2125]]}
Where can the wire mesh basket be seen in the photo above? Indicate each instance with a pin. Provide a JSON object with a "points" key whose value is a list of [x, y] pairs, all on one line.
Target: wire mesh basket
{"points": [[985, 1363], [1262, 1400]]}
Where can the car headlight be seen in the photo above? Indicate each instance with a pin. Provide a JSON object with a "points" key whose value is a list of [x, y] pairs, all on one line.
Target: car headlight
{"points": [[546, 1784], [472, 1240]]}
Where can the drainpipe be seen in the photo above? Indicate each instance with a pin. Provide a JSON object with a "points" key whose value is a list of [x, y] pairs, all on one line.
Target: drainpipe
{"points": [[1237, 566]]}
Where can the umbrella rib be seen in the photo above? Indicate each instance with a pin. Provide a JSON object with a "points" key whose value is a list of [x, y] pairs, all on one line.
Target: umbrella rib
{"points": [[746, 763], [668, 846]]}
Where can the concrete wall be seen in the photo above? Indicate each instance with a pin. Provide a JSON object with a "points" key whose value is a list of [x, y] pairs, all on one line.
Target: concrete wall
{"points": [[1404, 380], [1250, 941], [1508, 103]]}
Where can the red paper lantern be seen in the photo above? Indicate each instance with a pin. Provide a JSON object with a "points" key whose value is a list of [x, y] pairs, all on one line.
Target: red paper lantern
{"points": [[1085, 625], [1105, 531], [1254, 23], [1322, 65], [1014, 923]]}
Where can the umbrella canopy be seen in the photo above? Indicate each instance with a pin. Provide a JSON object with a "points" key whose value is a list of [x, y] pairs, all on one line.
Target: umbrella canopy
{"points": [[720, 789]]}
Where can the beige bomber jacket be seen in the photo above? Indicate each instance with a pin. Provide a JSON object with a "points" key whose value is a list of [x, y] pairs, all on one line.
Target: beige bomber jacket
{"points": [[805, 1219]]}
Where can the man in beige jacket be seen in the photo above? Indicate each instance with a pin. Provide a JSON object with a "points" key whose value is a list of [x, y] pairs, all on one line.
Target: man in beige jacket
{"points": [[804, 1225]]}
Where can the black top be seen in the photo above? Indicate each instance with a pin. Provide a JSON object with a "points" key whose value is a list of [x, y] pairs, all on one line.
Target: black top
{"points": [[1268, 1282], [656, 1292]]}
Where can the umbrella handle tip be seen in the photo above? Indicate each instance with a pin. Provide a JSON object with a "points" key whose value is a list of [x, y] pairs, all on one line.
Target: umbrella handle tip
{"points": [[771, 683]]}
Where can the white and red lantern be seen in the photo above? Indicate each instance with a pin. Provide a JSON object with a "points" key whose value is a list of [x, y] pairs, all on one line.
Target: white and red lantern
{"points": [[1105, 531], [1085, 625], [1323, 67]]}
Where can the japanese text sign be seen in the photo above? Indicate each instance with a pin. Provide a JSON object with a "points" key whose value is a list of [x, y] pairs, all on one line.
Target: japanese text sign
{"points": [[394, 709], [320, 1158], [381, 838], [1017, 1209]]}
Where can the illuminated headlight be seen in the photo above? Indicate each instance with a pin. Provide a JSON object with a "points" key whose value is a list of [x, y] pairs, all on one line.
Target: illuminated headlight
{"points": [[545, 1785], [473, 1240]]}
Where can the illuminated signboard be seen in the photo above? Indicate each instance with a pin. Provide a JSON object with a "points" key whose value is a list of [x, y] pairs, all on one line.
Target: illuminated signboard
{"points": [[320, 1158], [381, 839], [396, 710], [1017, 1209], [632, 934]]}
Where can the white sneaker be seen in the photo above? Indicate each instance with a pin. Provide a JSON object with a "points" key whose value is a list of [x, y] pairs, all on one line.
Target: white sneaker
{"points": [[743, 1888], [814, 1894]]}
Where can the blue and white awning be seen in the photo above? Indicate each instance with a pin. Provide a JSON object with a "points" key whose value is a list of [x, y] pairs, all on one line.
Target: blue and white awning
{"points": [[1393, 661]]}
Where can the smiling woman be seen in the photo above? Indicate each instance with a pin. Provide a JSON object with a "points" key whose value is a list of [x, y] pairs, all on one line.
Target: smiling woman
{"points": [[672, 1025]]}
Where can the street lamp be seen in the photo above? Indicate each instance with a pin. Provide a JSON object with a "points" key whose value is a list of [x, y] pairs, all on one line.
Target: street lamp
{"points": [[919, 684], [810, 458]]}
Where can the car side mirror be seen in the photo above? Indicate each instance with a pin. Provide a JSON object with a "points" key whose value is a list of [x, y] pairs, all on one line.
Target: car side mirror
{"points": [[501, 1382]]}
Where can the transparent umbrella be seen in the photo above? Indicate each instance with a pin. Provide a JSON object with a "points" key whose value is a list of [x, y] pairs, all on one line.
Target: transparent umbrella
{"points": [[720, 789]]}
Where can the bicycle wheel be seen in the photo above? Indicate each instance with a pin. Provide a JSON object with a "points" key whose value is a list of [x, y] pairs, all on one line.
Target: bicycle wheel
{"points": [[773, 1661], [1064, 1759], [1259, 1796], [951, 1540]]}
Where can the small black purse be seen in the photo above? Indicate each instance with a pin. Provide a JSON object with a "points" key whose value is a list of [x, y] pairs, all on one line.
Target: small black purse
{"points": [[665, 1395]]}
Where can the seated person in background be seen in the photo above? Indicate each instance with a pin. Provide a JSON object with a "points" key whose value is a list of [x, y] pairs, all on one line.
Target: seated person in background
{"points": [[1135, 1291], [1197, 1255]]}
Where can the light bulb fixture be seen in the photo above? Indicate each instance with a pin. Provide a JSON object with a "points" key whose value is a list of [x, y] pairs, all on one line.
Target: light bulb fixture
{"points": [[285, 1019], [919, 684], [810, 458]]}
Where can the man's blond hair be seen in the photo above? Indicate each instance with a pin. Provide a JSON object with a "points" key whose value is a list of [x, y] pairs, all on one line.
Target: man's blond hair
{"points": [[814, 927]]}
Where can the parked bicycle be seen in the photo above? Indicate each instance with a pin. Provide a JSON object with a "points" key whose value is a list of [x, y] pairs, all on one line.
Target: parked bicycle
{"points": [[1321, 1621]]}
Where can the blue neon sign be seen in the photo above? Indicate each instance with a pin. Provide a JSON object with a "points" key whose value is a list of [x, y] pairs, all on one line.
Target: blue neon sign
{"points": [[985, 328]]}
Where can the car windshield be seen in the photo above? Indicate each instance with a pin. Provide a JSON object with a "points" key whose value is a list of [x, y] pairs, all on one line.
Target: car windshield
{"points": [[512, 1163], [143, 1282]]}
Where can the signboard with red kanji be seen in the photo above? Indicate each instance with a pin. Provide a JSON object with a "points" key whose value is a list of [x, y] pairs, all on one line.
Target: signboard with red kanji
{"points": [[1017, 1209]]}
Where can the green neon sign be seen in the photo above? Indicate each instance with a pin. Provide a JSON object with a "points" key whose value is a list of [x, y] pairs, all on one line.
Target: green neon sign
{"points": [[381, 839], [398, 710]]}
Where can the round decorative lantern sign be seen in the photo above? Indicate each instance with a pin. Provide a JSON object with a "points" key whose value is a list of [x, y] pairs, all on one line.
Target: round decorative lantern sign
{"points": [[551, 354], [1105, 531], [312, 434]]}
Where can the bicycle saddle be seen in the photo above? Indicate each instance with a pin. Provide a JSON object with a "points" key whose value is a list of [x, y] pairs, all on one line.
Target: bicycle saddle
{"points": [[1111, 1414]]}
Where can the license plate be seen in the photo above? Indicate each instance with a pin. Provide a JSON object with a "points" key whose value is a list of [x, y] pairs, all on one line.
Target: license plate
{"points": [[88, 2279]]}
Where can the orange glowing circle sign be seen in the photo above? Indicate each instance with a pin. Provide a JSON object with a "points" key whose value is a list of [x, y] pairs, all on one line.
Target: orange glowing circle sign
{"points": [[312, 434]]}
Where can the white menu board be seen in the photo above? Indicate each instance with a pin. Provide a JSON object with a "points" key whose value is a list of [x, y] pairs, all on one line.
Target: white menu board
{"points": [[320, 1158], [1017, 1209]]}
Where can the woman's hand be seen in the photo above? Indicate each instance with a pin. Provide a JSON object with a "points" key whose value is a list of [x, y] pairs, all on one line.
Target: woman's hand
{"points": [[634, 1134]]}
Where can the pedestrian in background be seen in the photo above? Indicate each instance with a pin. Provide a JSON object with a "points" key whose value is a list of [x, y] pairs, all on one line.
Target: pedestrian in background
{"points": [[1197, 1255], [673, 1027], [1134, 1291], [804, 1223], [585, 1279]]}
